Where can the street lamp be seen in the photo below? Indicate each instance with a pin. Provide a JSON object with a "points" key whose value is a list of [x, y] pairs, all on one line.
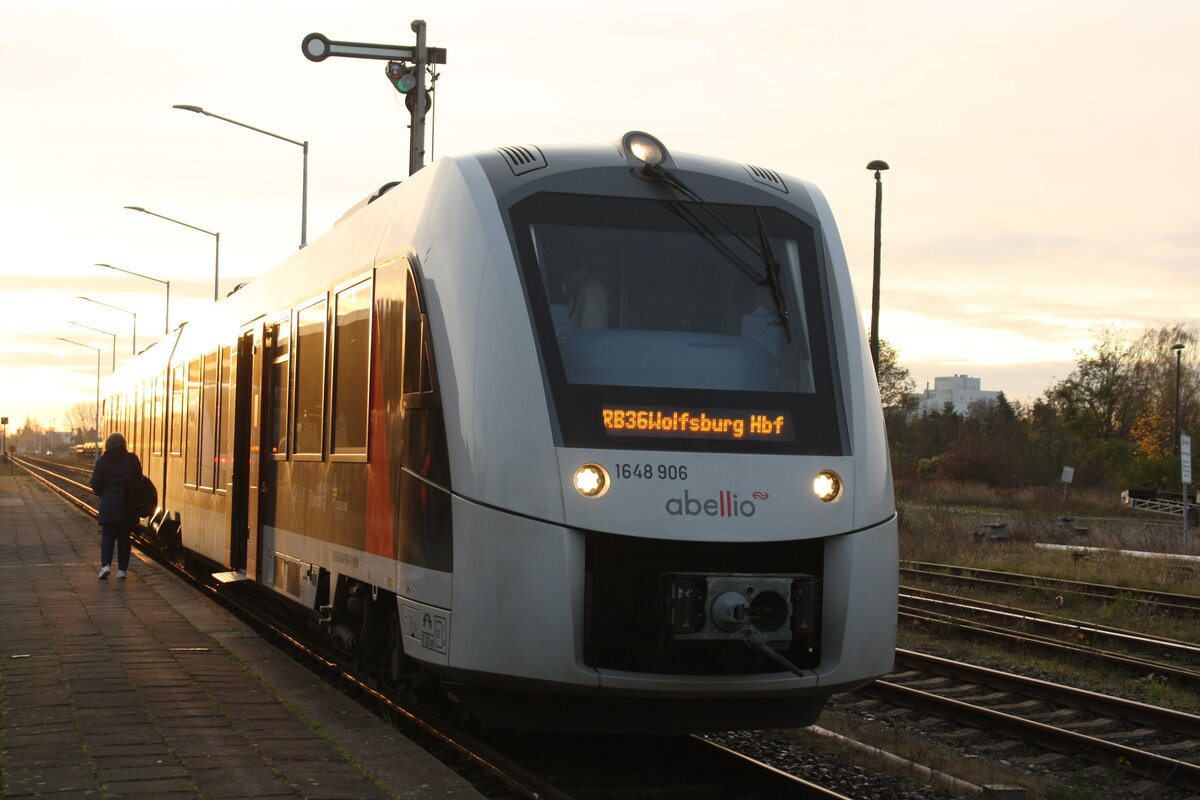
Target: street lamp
{"points": [[167, 318], [217, 263], [97, 349], [117, 308], [303, 145], [1178, 349], [877, 166], [107, 333]]}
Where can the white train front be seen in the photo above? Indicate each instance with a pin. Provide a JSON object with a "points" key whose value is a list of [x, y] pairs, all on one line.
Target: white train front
{"points": [[588, 433]]}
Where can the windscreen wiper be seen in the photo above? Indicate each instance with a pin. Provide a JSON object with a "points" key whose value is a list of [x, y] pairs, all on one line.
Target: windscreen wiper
{"points": [[769, 277], [773, 281]]}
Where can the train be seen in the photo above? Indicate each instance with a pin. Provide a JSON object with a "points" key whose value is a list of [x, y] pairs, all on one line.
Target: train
{"points": [[587, 437]]}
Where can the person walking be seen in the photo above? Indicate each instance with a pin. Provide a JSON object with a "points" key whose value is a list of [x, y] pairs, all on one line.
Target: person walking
{"points": [[115, 471]]}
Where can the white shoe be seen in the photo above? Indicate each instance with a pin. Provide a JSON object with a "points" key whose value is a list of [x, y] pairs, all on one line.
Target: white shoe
{"points": [[104, 572], [120, 573]]}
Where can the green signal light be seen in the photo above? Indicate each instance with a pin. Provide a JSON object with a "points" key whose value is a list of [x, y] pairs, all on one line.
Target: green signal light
{"points": [[403, 77]]}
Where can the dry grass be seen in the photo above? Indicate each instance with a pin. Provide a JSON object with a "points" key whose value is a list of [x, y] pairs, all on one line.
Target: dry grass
{"points": [[933, 528], [944, 532]]}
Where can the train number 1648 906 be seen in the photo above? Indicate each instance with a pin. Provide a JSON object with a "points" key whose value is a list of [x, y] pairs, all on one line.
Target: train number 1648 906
{"points": [[646, 472]]}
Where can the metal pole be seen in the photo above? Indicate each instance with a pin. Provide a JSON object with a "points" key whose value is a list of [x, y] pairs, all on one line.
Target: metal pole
{"points": [[1185, 468], [97, 405], [217, 267], [304, 145], [109, 333], [97, 349], [167, 318], [304, 201], [416, 153], [1178, 348], [217, 234], [878, 166], [133, 344]]}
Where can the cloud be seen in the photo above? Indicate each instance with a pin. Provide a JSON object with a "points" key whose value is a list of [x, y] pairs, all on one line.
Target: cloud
{"points": [[992, 247]]}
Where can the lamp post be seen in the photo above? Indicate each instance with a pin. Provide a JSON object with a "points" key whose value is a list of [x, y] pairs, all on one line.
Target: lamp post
{"points": [[303, 145], [1178, 350], [167, 317], [97, 349], [117, 308], [878, 166], [1185, 454], [107, 333], [216, 264]]}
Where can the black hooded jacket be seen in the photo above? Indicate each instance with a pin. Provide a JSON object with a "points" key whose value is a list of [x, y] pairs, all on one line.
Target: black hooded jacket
{"points": [[114, 471]]}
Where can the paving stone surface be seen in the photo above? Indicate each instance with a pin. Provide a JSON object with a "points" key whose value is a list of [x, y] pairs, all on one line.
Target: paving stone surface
{"points": [[142, 688]]}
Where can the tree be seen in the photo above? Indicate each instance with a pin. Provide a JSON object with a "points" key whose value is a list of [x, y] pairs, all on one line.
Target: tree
{"points": [[81, 420], [1154, 371], [1094, 399], [1112, 418], [29, 436], [895, 381]]}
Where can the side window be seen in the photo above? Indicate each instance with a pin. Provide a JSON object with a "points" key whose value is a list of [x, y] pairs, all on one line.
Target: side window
{"points": [[208, 422], [351, 375], [191, 452], [131, 435], [156, 436], [177, 383], [309, 420], [224, 422], [418, 375], [146, 424], [278, 340]]}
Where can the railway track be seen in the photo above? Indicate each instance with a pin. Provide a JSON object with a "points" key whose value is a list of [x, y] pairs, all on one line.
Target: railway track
{"points": [[69, 480], [1129, 651], [1178, 604], [531, 766], [1142, 740]]}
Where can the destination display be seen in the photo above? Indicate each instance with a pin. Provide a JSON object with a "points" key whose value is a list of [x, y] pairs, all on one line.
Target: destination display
{"points": [[698, 423]]}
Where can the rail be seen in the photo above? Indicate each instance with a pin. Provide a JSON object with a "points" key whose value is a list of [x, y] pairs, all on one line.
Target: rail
{"points": [[1149, 764], [761, 779]]}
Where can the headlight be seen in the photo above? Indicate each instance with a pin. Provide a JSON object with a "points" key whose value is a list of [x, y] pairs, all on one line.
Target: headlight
{"points": [[827, 486], [591, 480]]}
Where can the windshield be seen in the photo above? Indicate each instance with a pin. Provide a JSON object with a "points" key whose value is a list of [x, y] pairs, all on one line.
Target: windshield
{"points": [[662, 324]]}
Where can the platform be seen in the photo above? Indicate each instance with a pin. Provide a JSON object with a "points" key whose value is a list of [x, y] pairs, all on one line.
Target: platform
{"points": [[145, 688]]}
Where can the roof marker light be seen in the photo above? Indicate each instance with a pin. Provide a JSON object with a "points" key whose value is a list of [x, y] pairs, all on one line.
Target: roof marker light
{"points": [[642, 149]]}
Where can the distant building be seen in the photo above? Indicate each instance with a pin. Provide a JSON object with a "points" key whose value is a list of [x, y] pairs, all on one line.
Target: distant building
{"points": [[961, 390]]}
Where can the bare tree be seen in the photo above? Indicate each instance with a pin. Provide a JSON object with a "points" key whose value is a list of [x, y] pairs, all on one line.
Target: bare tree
{"points": [[81, 420]]}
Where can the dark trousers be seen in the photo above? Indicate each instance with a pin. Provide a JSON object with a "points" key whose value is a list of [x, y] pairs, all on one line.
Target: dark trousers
{"points": [[115, 533]]}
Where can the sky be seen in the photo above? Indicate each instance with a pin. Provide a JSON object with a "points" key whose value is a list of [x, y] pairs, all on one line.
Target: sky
{"points": [[1042, 186]]}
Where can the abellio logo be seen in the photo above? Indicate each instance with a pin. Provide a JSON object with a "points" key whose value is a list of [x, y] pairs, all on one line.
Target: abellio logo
{"points": [[725, 504]]}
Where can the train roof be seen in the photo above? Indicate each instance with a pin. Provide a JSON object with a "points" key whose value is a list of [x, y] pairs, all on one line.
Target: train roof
{"points": [[352, 243]]}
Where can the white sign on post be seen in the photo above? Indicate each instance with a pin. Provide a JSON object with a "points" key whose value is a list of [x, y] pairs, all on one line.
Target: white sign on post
{"points": [[1068, 474], [1185, 457]]}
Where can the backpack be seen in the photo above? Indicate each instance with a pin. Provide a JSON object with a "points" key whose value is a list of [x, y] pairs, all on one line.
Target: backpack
{"points": [[141, 498]]}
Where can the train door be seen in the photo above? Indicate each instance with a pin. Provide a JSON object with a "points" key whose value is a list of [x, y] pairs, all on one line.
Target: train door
{"points": [[243, 500], [273, 369]]}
